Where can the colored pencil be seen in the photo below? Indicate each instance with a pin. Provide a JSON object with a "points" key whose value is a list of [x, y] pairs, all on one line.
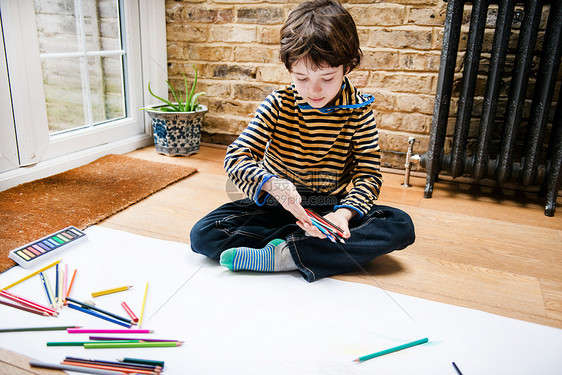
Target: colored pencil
{"points": [[104, 345], [26, 302], [457, 368], [90, 307], [24, 308], [142, 361], [81, 343], [64, 283], [57, 286], [99, 315], [31, 275], [143, 304], [55, 366], [143, 366], [46, 289], [324, 231], [107, 338], [110, 291], [324, 220], [130, 312], [85, 330], [49, 289], [106, 366], [71, 283], [391, 350], [33, 329]]}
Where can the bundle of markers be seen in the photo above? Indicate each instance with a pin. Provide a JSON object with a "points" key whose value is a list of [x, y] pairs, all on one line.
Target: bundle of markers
{"points": [[329, 229]]}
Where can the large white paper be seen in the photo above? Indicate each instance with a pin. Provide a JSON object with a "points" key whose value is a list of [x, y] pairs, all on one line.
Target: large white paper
{"points": [[254, 323]]}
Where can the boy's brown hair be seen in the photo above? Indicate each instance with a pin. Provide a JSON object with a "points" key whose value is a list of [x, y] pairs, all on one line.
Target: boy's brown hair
{"points": [[324, 33]]}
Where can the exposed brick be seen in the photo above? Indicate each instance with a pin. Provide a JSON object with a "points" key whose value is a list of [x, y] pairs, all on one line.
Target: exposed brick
{"points": [[256, 54], [427, 16], [231, 71], [231, 33], [270, 35], [414, 103], [359, 78], [208, 52], [420, 61], [378, 14], [262, 15], [407, 122], [186, 33], [379, 60], [252, 91], [198, 14], [401, 82], [233, 107], [401, 37], [273, 74]]}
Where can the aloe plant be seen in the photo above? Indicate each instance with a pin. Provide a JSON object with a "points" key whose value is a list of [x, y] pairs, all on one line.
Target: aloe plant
{"points": [[188, 105]]}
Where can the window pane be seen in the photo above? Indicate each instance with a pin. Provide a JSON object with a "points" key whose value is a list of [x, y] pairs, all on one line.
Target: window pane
{"points": [[106, 86], [82, 61]]}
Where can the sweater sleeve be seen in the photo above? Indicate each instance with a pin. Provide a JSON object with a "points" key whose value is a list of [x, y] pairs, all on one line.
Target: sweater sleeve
{"points": [[243, 156], [366, 176]]}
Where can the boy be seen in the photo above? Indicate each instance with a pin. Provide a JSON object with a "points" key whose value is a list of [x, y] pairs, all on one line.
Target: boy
{"points": [[313, 144]]}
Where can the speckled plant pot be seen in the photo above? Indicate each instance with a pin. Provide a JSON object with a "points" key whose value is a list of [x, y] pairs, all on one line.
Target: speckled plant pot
{"points": [[177, 133]]}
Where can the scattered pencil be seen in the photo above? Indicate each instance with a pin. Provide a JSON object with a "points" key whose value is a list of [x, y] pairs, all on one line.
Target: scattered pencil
{"points": [[24, 308], [108, 331], [143, 305], [81, 343], [130, 312], [457, 368], [391, 350], [31, 275], [27, 303], [55, 366], [31, 329], [110, 291], [91, 307], [71, 283], [109, 345], [142, 361], [99, 315], [122, 366], [108, 338]]}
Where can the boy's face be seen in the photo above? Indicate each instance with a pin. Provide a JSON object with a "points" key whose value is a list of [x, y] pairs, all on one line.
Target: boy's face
{"points": [[317, 85]]}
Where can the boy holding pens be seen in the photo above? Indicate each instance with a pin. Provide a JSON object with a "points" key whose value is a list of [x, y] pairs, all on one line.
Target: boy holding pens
{"points": [[312, 148]]}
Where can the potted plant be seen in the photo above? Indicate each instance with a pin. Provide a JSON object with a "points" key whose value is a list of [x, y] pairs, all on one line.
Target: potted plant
{"points": [[176, 126]]}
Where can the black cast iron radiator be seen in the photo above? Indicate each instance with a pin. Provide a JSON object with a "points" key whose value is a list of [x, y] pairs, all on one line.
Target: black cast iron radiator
{"points": [[518, 135]]}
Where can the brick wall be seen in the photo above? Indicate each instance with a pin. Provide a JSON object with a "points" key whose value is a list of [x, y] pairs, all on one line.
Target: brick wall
{"points": [[234, 45]]}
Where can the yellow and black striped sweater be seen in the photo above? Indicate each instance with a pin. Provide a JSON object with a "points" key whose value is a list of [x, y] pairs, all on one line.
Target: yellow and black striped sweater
{"points": [[322, 150]]}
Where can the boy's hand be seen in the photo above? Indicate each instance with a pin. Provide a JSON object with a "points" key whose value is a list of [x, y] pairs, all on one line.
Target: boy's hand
{"points": [[287, 195]]}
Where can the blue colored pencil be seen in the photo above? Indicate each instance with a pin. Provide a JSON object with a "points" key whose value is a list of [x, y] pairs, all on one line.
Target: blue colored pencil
{"points": [[321, 229], [87, 311], [57, 286], [46, 289]]}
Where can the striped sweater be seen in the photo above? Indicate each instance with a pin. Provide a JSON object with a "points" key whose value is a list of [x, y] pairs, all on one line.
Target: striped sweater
{"points": [[322, 150]]}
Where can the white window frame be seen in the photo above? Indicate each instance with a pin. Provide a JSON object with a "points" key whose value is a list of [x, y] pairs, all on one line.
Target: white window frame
{"points": [[41, 155]]}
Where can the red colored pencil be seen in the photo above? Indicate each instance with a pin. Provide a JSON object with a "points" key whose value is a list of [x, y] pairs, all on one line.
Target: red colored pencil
{"points": [[130, 312], [28, 309], [28, 303], [324, 221]]}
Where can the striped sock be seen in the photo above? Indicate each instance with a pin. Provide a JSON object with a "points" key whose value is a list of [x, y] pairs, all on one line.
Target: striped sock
{"points": [[263, 260]]}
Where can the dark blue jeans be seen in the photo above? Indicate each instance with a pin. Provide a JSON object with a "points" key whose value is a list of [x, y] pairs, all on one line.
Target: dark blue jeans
{"points": [[243, 223]]}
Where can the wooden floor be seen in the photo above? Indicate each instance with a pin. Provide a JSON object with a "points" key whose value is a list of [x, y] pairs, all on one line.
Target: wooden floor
{"points": [[475, 247]]}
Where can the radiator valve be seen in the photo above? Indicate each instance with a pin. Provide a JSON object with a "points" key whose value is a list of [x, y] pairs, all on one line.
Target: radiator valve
{"points": [[410, 157]]}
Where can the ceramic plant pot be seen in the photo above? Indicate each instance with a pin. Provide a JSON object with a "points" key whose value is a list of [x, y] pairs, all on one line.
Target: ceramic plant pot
{"points": [[176, 133]]}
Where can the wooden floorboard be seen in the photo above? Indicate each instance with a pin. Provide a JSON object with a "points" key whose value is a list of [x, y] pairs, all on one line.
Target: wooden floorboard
{"points": [[475, 247]]}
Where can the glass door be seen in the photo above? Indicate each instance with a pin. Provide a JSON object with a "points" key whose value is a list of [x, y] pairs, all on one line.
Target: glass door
{"points": [[74, 74]]}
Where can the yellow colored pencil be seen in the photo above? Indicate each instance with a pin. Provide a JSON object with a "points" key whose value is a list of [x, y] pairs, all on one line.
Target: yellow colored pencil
{"points": [[113, 290], [143, 304], [31, 275]]}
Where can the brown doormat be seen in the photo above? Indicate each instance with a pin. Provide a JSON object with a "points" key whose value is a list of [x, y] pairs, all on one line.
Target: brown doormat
{"points": [[81, 197]]}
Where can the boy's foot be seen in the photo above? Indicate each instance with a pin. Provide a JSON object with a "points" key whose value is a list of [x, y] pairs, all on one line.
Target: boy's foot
{"points": [[275, 256]]}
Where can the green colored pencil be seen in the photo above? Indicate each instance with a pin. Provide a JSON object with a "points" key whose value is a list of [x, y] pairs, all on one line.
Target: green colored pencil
{"points": [[391, 350], [26, 329], [108, 345], [81, 343]]}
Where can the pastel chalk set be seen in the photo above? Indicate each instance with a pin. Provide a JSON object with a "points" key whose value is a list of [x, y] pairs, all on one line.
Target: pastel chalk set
{"points": [[37, 251]]}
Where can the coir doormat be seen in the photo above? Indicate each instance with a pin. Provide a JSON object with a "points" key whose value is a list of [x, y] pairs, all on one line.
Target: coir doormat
{"points": [[81, 197]]}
